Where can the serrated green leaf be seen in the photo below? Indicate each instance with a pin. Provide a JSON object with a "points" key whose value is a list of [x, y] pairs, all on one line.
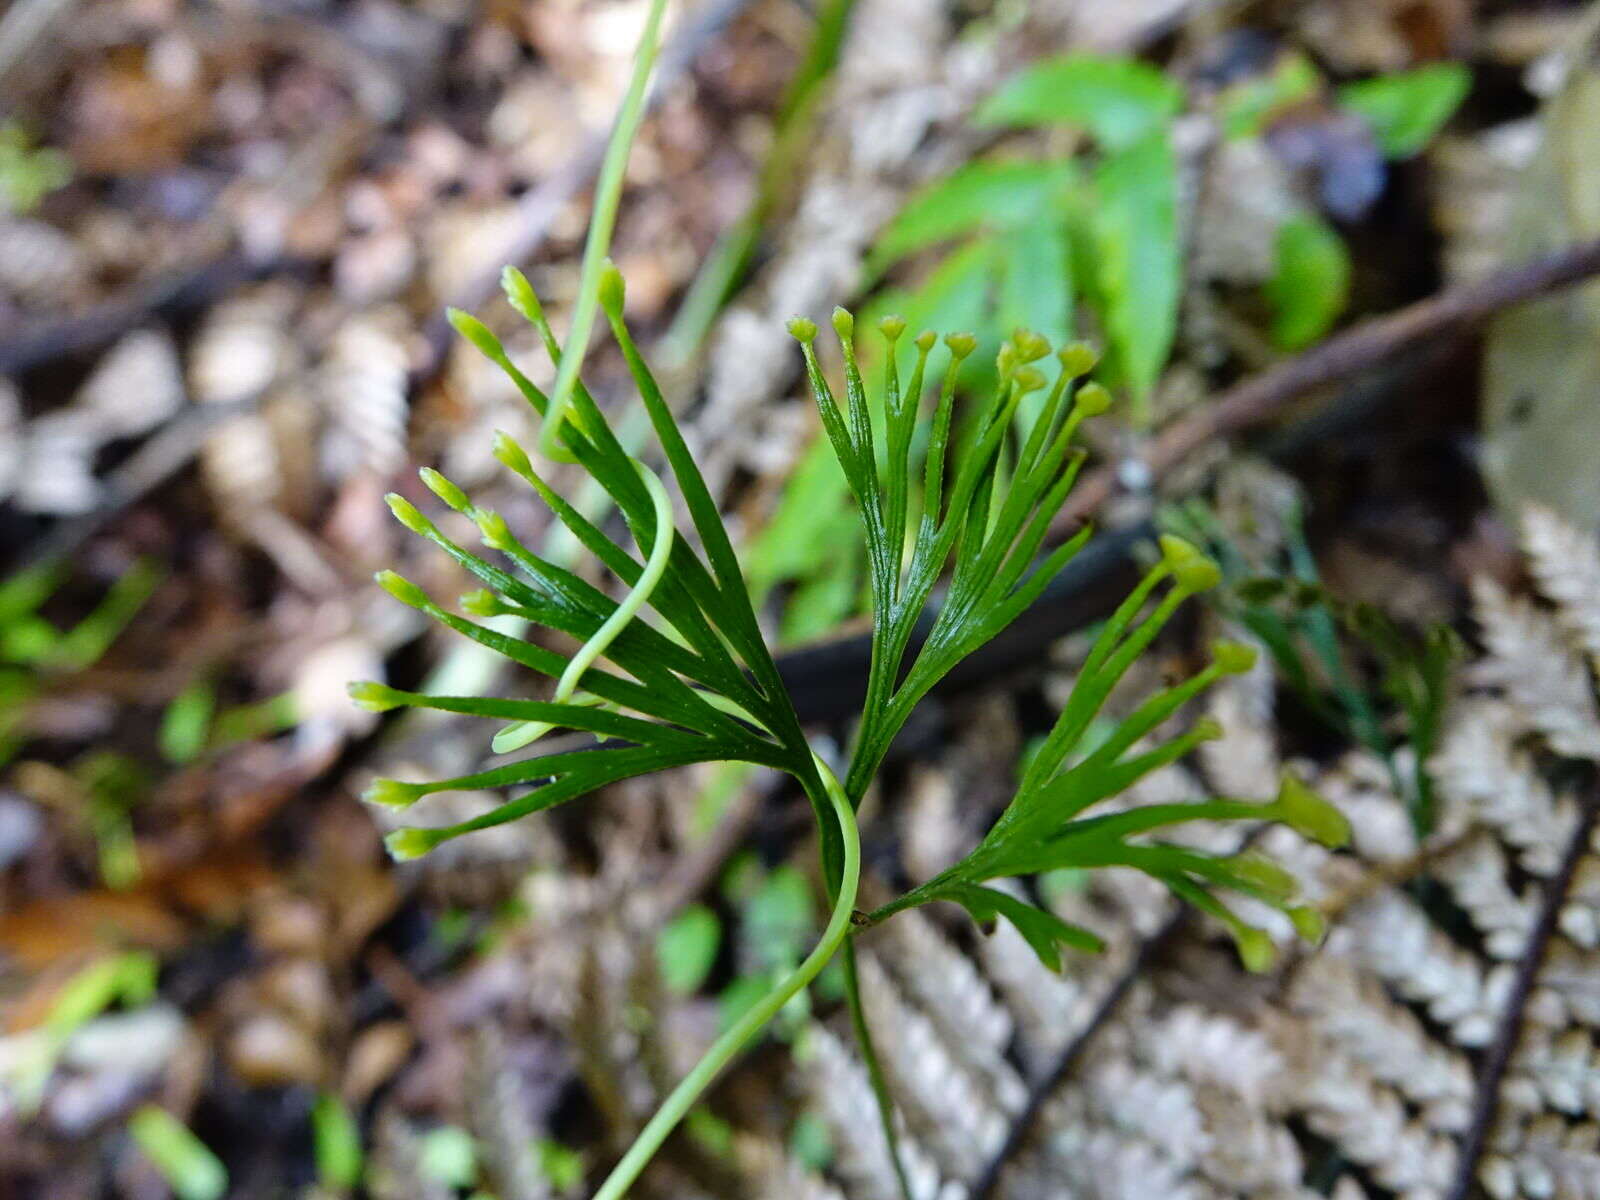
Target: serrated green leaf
{"points": [[1118, 100], [1310, 284], [1406, 109], [1137, 260]]}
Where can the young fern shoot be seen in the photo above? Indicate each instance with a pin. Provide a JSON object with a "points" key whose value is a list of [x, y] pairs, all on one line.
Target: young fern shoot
{"points": [[705, 688]]}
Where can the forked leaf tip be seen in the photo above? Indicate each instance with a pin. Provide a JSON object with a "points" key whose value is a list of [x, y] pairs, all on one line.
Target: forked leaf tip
{"points": [[926, 340], [892, 327]]}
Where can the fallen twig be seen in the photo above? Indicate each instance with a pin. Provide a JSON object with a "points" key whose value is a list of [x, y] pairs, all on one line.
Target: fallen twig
{"points": [[1498, 1056], [1357, 349]]}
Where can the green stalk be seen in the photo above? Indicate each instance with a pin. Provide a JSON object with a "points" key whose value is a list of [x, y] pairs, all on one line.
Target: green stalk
{"points": [[730, 1043], [607, 196]]}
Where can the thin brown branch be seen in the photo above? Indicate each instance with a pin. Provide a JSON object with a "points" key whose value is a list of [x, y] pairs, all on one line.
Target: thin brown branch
{"points": [[1498, 1058], [1357, 349]]}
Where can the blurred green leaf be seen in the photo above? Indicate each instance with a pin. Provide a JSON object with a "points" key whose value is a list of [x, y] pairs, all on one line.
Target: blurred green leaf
{"points": [[186, 723], [191, 1170], [979, 196], [336, 1142], [1138, 266], [687, 947], [1118, 100], [810, 1144], [1247, 107], [562, 1166], [780, 918], [448, 1155], [27, 173], [1406, 109], [1310, 284]]}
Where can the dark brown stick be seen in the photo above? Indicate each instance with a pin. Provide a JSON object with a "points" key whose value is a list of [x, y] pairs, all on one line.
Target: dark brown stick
{"points": [[1349, 353], [1498, 1058]]}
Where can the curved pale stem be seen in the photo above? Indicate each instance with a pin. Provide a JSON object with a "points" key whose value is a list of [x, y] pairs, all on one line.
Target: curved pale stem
{"points": [[608, 194], [655, 566], [696, 1081]]}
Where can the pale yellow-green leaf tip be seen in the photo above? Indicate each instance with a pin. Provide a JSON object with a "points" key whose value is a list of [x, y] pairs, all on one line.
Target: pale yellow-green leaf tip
{"points": [[1031, 346], [803, 329], [1232, 658], [960, 344], [405, 845], [1193, 570], [373, 696], [402, 589], [1206, 729], [844, 323], [1028, 379], [1078, 358], [613, 290], [1309, 923], [444, 489], [476, 332], [510, 453], [926, 340], [521, 296], [1256, 950], [392, 793], [892, 327], [406, 513], [1263, 873], [494, 531], [1309, 815], [482, 603], [1092, 400]]}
